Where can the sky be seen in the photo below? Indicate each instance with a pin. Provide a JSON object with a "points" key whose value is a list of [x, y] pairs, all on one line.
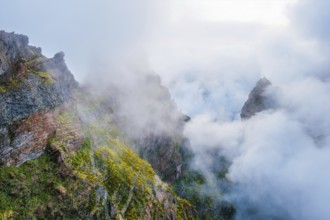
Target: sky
{"points": [[210, 54]]}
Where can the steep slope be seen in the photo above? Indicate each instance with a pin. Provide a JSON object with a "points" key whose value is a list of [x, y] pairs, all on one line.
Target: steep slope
{"points": [[146, 114], [133, 188], [159, 139], [71, 162]]}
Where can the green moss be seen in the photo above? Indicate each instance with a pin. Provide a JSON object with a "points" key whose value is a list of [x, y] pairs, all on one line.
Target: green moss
{"points": [[125, 172], [3, 89], [44, 188], [45, 76], [130, 181], [67, 117], [11, 84], [65, 185], [36, 64]]}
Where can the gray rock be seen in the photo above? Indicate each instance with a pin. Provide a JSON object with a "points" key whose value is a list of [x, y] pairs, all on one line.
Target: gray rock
{"points": [[258, 101], [32, 96], [32, 86], [15, 48], [4, 66]]}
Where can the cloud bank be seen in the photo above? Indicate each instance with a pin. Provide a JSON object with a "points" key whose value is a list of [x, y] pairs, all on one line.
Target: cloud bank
{"points": [[278, 158]]}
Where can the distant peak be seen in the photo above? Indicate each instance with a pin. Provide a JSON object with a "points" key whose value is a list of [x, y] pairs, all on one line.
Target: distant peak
{"points": [[257, 100], [262, 83]]}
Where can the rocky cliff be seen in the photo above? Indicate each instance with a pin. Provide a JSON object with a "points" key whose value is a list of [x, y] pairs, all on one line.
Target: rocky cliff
{"points": [[62, 156], [34, 90]]}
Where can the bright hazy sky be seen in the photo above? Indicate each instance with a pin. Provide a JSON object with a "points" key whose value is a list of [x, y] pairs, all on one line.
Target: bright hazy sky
{"points": [[268, 12]]}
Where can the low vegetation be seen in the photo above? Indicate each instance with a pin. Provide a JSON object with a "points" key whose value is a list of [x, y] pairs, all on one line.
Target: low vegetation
{"points": [[100, 180], [42, 189]]}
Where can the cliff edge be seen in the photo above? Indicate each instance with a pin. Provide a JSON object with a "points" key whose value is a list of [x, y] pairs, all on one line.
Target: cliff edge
{"points": [[34, 90]]}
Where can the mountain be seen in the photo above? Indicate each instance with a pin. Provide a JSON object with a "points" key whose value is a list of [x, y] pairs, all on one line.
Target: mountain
{"points": [[104, 151], [65, 154]]}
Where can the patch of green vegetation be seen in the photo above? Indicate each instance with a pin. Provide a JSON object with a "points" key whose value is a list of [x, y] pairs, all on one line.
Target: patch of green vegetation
{"points": [[125, 173], [43, 188], [81, 162], [131, 183], [65, 185], [36, 64], [11, 84], [194, 187], [67, 117], [3, 89], [45, 76]]}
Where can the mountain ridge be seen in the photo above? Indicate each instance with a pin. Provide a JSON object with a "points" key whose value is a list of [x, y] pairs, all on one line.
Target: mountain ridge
{"points": [[55, 164]]}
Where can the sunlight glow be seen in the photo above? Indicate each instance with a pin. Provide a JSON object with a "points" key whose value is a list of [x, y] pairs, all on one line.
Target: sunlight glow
{"points": [[267, 12]]}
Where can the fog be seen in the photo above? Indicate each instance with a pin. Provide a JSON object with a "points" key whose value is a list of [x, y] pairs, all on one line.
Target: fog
{"points": [[278, 158]]}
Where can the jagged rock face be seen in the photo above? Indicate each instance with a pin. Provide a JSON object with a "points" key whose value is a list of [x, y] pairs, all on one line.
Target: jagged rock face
{"points": [[164, 156], [13, 49], [32, 87], [26, 139], [257, 100]]}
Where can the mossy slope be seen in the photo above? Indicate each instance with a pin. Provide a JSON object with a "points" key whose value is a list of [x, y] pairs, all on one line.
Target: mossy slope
{"points": [[104, 179], [41, 189]]}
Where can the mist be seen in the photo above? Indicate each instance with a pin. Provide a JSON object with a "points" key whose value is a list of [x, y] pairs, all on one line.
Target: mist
{"points": [[132, 51], [278, 157]]}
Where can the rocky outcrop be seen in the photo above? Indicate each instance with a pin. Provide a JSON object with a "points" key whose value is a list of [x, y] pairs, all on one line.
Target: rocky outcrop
{"points": [[27, 138], [13, 50], [258, 100], [32, 90]]}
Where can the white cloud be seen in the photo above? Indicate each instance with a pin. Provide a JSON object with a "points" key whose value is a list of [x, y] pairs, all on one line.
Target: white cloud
{"points": [[270, 12]]}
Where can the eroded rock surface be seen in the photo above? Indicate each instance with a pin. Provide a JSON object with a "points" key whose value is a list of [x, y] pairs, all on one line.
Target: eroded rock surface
{"points": [[32, 87]]}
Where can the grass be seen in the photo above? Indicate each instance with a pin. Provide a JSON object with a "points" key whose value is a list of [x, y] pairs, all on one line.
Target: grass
{"points": [[42, 189]]}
